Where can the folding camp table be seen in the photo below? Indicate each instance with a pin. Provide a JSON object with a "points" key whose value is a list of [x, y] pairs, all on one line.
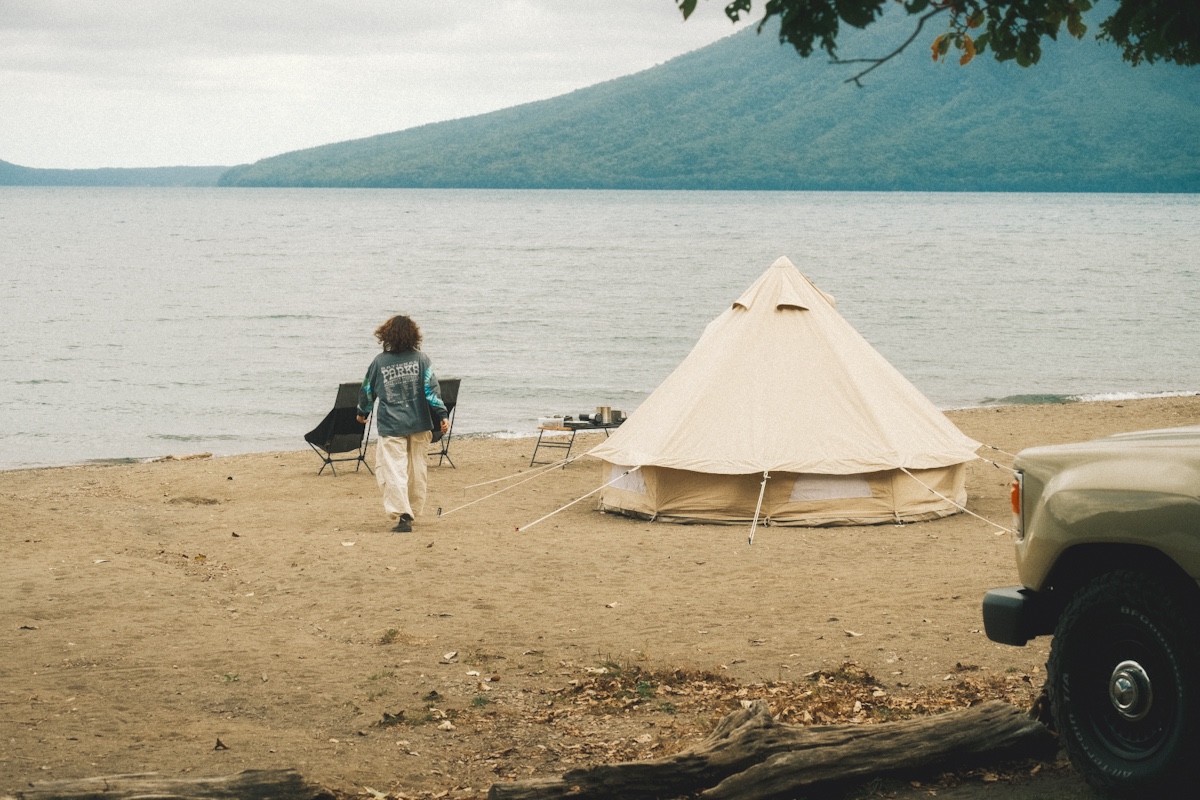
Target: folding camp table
{"points": [[555, 443]]}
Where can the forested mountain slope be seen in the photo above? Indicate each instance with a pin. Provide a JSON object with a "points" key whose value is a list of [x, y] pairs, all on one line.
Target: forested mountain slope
{"points": [[747, 113]]}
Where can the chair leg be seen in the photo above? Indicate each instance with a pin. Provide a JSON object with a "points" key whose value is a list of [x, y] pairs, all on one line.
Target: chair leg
{"points": [[362, 451], [325, 459], [443, 451]]}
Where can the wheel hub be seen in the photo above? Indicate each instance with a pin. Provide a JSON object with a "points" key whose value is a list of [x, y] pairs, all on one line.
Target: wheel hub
{"points": [[1130, 691]]}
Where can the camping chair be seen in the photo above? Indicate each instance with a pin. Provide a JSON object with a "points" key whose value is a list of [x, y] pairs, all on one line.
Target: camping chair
{"points": [[341, 432], [448, 388]]}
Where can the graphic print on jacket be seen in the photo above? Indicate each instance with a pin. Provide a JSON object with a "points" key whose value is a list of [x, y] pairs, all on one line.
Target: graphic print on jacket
{"points": [[402, 383], [407, 390]]}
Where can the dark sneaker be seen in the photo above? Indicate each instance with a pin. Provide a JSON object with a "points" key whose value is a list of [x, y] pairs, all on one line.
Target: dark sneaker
{"points": [[403, 526]]}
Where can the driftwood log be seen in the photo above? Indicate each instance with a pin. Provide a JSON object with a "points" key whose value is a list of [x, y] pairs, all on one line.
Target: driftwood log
{"points": [[750, 756], [256, 784]]}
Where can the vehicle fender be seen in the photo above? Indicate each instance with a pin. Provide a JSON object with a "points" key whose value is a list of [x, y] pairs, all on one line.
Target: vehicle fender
{"points": [[1126, 502]]}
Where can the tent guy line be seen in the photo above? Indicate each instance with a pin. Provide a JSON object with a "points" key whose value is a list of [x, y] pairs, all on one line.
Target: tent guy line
{"points": [[998, 450], [964, 509], [543, 469], [995, 464], [536, 474], [573, 502]]}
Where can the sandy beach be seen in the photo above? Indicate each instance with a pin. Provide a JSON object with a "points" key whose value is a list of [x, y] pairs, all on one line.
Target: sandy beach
{"points": [[154, 610]]}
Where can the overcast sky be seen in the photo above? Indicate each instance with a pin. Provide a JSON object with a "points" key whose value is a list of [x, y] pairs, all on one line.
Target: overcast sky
{"points": [[142, 83]]}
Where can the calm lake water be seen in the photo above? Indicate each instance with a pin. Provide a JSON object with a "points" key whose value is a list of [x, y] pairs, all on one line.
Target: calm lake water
{"points": [[144, 322]]}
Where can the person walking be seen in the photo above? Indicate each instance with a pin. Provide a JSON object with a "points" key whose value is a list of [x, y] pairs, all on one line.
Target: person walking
{"points": [[410, 405]]}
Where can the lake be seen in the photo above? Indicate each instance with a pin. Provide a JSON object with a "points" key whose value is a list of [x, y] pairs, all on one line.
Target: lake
{"points": [[144, 322]]}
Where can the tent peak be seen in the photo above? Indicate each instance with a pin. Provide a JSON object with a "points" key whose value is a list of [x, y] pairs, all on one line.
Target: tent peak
{"points": [[783, 288]]}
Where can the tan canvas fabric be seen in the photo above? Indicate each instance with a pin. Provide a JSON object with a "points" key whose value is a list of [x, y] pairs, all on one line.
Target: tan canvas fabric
{"points": [[781, 383], [892, 496]]}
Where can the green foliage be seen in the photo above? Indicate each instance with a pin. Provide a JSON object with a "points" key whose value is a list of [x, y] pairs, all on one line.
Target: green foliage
{"points": [[1150, 31], [1014, 30], [745, 113]]}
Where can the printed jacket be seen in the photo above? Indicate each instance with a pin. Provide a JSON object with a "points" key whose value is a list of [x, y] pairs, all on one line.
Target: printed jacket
{"points": [[409, 398]]}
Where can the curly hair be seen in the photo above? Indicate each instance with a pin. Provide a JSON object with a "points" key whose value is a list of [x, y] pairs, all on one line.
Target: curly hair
{"points": [[399, 335]]}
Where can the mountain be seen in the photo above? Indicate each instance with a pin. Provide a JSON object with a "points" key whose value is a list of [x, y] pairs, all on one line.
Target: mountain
{"points": [[748, 113], [14, 175]]}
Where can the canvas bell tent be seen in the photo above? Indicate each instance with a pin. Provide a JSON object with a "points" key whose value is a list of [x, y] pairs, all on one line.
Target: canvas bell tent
{"points": [[780, 384]]}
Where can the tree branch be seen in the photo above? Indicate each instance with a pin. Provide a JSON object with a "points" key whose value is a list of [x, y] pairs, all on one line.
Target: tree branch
{"points": [[878, 62]]}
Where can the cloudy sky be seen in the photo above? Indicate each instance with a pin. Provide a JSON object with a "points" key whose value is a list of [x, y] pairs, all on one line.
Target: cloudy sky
{"points": [[139, 83]]}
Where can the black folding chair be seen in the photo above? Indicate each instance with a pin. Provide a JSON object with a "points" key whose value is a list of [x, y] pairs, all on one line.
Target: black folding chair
{"points": [[341, 432], [448, 387]]}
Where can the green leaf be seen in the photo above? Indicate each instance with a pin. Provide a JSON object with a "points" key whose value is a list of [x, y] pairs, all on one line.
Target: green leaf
{"points": [[1075, 26], [687, 7], [735, 9], [859, 13]]}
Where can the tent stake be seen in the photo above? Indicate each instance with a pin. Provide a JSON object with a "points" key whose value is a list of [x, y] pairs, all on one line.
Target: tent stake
{"points": [[761, 491]]}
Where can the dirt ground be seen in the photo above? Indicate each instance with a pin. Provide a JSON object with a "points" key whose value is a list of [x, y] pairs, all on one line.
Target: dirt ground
{"points": [[204, 616]]}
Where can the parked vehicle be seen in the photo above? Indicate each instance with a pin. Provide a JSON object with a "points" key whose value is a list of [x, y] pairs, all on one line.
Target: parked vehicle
{"points": [[1108, 555]]}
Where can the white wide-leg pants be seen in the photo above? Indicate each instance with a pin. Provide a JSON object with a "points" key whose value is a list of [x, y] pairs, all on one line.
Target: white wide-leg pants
{"points": [[402, 473]]}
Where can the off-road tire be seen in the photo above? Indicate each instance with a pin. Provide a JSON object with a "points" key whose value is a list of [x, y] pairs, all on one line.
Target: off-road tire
{"points": [[1124, 685]]}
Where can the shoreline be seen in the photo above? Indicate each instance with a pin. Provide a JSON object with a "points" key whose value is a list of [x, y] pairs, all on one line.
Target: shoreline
{"points": [[1034, 400]]}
